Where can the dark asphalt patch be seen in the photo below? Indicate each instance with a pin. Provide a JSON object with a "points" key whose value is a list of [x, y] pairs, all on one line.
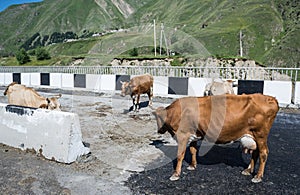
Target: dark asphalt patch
{"points": [[219, 171]]}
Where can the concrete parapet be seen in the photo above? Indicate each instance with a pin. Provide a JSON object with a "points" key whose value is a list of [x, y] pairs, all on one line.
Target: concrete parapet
{"points": [[55, 135]]}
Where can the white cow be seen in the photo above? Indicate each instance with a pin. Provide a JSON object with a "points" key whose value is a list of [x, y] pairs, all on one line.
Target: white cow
{"points": [[23, 96], [219, 87]]}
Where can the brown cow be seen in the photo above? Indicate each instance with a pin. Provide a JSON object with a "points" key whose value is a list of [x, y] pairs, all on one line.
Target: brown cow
{"points": [[136, 86], [220, 119], [23, 96]]}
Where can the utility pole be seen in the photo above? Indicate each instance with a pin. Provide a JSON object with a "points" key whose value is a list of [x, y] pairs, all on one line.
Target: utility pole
{"points": [[154, 38], [162, 34], [241, 44]]}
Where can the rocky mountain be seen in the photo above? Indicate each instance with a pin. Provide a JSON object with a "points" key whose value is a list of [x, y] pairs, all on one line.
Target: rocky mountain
{"points": [[266, 31]]}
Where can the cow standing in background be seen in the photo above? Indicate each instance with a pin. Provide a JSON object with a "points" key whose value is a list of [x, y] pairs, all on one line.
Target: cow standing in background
{"points": [[219, 87], [220, 119], [136, 86], [21, 95]]}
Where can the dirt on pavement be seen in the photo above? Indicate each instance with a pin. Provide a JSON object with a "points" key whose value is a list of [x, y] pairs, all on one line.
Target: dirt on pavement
{"points": [[129, 157]]}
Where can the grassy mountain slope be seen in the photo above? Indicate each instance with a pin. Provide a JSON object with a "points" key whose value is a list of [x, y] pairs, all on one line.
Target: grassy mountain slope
{"points": [[217, 24], [20, 22], [270, 28]]}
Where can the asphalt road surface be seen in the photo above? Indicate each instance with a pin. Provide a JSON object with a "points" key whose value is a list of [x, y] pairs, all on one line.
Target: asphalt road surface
{"points": [[219, 171], [129, 157]]}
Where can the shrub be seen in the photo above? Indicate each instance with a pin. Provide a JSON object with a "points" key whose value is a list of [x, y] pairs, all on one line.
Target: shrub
{"points": [[134, 52], [22, 56], [42, 54]]}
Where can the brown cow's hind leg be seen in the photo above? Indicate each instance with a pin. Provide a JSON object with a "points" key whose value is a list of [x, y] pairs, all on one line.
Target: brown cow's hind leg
{"points": [[263, 155], [150, 96], [193, 150], [251, 166]]}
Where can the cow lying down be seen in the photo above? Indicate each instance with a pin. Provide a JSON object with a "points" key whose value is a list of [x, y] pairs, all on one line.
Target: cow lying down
{"points": [[24, 96], [220, 119], [219, 87]]}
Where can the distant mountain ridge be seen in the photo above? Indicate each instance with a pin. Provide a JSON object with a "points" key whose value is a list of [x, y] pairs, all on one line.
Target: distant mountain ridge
{"points": [[270, 28]]}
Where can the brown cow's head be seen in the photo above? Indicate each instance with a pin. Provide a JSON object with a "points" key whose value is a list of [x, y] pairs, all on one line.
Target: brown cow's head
{"points": [[53, 103], [126, 88], [160, 116]]}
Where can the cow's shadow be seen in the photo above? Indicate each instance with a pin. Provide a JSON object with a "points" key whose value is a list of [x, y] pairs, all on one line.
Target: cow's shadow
{"points": [[142, 105], [230, 155]]}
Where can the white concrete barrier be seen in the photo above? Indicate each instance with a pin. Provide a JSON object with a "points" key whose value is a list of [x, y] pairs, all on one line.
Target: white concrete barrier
{"points": [[93, 82], [297, 93], [56, 80], [160, 85], [25, 78], [35, 79], [197, 86], [55, 135], [282, 90], [108, 83], [2, 78], [8, 78], [67, 80]]}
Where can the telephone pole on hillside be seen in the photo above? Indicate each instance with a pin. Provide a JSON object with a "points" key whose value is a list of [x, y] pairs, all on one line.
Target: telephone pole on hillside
{"points": [[162, 35], [154, 37], [241, 43]]}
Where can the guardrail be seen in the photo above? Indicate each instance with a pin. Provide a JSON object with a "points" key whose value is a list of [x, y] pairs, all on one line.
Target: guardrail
{"points": [[241, 73]]}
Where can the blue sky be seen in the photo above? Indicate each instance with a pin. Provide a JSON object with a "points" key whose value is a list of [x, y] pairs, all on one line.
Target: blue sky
{"points": [[6, 3]]}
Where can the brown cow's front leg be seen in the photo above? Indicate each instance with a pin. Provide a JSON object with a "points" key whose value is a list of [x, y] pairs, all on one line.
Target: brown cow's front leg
{"points": [[251, 166], [137, 103], [133, 102], [193, 150], [150, 95], [182, 141], [263, 155]]}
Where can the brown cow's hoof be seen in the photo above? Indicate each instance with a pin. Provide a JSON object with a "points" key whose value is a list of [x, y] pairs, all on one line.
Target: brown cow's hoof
{"points": [[256, 179], [191, 168], [174, 177], [246, 172]]}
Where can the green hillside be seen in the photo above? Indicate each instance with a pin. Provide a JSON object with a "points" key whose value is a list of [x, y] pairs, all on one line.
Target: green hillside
{"points": [[270, 28]]}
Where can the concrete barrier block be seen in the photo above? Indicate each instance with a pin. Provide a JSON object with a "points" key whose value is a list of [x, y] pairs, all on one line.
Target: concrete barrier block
{"points": [[25, 78], [35, 79], [2, 80], [8, 78], [55, 135], [282, 90], [178, 85], [56, 80], [45, 79], [67, 81], [250, 86], [197, 86], [160, 85], [93, 82], [108, 82], [297, 93]]}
